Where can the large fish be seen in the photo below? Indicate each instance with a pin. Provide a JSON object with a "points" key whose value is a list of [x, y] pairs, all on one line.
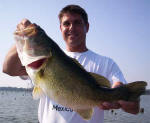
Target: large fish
{"points": [[63, 79]]}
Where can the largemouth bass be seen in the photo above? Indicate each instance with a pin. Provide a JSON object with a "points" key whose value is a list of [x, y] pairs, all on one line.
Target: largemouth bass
{"points": [[63, 79]]}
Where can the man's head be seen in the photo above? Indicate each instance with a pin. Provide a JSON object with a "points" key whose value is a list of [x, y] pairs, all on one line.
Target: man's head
{"points": [[74, 9], [74, 26]]}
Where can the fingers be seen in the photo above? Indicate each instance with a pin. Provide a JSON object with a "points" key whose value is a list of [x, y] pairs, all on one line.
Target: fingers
{"points": [[23, 24], [117, 84], [25, 21], [107, 105], [130, 107], [127, 103]]}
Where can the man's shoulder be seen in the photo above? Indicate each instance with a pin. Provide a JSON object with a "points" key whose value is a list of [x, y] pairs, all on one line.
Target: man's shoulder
{"points": [[100, 57]]}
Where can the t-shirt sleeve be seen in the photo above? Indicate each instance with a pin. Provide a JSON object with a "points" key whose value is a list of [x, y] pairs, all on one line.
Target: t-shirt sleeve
{"points": [[24, 77], [115, 74]]}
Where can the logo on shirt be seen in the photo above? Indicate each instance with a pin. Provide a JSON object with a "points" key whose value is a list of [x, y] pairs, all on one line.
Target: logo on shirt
{"points": [[61, 108]]}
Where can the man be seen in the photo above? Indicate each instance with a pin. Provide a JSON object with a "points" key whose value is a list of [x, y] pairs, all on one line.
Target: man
{"points": [[74, 27]]}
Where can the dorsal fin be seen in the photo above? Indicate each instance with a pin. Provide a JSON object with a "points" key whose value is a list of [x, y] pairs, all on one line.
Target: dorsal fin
{"points": [[101, 80], [77, 63]]}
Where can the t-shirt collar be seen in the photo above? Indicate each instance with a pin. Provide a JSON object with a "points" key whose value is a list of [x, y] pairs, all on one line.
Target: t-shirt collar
{"points": [[72, 54]]}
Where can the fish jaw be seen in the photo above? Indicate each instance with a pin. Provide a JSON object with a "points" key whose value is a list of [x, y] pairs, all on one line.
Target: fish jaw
{"points": [[29, 59], [37, 64], [30, 44]]}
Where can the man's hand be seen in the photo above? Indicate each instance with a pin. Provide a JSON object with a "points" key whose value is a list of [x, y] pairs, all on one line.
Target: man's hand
{"points": [[130, 107], [108, 106], [12, 64], [23, 24]]}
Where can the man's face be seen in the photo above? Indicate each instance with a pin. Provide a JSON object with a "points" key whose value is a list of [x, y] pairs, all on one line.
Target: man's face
{"points": [[73, 29]]}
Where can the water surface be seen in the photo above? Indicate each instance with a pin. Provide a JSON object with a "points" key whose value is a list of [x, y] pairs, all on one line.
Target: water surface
{"points": [[17, 106]]}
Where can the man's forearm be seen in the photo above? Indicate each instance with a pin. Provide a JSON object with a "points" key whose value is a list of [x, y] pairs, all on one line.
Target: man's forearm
{"points": [[12, 65]]}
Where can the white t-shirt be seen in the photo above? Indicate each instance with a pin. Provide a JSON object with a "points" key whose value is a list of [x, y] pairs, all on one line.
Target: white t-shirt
{"points": [[51, 112]]}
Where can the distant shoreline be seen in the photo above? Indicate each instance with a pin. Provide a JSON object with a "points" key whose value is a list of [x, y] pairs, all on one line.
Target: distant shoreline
{"points": [[15, 89]]}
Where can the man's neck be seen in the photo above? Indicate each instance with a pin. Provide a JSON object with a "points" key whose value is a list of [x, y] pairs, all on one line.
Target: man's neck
{"points": [[77, 49]]}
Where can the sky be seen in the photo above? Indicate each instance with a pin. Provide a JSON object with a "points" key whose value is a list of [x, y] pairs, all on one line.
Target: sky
{"points": [[119, 29]]}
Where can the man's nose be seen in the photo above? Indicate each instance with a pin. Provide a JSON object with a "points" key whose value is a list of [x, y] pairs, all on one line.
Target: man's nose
{"points": [[72, 26]]}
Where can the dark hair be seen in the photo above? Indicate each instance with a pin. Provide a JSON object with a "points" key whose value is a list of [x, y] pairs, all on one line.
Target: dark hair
{"points": [[74, 9]]}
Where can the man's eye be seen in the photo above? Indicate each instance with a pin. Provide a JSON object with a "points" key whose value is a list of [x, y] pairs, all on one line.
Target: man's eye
{"points": [[66, 24], [78, 22]]}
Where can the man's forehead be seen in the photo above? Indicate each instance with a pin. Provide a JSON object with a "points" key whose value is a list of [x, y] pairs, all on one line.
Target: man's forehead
{"points": [[71, 17]]}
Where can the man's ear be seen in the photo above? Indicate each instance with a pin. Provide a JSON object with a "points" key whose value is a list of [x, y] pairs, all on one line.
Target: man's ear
{"points": [[87, 27], [60, 27]]}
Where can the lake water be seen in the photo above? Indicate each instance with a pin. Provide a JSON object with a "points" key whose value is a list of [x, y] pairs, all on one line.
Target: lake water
{"points": [[119, 116], [17, 106]]}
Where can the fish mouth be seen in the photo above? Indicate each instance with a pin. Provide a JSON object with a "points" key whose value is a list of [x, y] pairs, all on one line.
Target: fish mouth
{"points": [[37, 64]]}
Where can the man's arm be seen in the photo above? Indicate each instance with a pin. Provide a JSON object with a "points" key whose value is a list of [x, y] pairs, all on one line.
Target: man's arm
{"points": [[12, 65], [130, 107]]}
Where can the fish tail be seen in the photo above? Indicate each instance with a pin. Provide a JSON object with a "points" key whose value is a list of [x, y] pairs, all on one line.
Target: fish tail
{"points": [[137, 89]]}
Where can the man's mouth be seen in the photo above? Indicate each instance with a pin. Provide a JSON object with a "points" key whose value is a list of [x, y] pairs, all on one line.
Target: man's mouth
{"points": [[37, 64], [72, 34]]}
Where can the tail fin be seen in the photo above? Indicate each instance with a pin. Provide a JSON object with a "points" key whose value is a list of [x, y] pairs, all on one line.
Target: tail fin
{"points": [[137, 89]]}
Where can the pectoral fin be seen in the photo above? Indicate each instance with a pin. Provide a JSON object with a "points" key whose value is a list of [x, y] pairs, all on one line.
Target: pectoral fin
{"points": [[101, 80], [86, 113], [37, 93]]}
